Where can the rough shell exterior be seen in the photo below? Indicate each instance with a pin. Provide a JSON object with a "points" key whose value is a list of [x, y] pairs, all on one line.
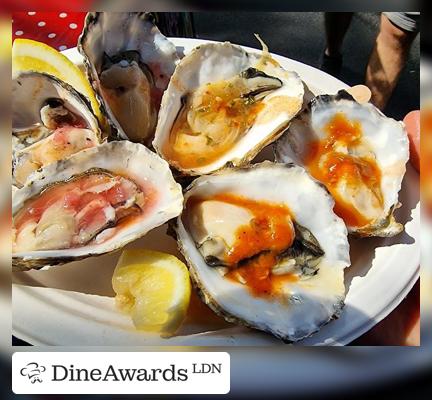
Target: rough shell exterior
{"points": [[307, 310]]}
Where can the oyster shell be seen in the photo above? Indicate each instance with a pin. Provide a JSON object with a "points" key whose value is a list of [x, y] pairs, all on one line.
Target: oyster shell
{"points": [[129, 63], [222, 106], [50, 121], [237, 220], [358, 153], [94, 202]]}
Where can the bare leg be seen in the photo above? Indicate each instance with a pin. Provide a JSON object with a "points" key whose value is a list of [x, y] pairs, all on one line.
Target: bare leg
{"points": [[387, 61], [336, 26]]}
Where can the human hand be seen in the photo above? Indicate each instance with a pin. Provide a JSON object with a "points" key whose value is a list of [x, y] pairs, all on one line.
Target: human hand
{"points": [[412, 123]]}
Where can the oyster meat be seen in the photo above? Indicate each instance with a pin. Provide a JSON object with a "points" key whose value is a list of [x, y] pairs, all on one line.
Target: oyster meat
{"points": [[94, 202], [265, 248], [50, 122], [357, 153], [129, 63], [222, 106]]}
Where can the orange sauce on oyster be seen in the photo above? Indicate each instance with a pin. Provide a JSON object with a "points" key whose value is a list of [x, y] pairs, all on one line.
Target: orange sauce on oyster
{"points": [[229, 117], [330, 167], [257, 245]]}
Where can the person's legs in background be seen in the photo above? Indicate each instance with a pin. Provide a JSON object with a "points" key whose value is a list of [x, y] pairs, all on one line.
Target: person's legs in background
{"points": [[336, 26], [389, 55]]}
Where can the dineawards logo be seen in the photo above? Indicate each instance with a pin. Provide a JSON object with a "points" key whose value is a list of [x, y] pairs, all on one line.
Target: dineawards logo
{"points": [[112, 374], [33, 371], [121, 373]]}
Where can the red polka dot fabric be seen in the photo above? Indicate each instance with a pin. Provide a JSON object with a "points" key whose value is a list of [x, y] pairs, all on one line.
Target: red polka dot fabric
{"points": [[58, 29]]}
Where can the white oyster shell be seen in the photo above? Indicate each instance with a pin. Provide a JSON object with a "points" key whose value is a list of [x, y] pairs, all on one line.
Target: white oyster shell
{"points": [[30, 93], [133, 99], [309, 303], [385, 137], [214, 62], [131, 160]]}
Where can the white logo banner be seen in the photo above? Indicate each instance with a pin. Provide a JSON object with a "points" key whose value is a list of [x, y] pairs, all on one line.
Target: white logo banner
{"points": [[120, 373]]}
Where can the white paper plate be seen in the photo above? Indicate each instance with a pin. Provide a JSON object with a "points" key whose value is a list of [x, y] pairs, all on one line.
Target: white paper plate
{"points": [[73, 304]]}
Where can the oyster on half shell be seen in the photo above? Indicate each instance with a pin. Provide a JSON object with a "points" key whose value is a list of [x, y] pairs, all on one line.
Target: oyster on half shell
{"points": [[222, 106], [265, 248], [129, 63], [50, 121], [92, 203], [358, 153]]}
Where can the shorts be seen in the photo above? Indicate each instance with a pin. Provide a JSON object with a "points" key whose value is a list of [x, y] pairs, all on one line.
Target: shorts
{"points": [[407, 21]]}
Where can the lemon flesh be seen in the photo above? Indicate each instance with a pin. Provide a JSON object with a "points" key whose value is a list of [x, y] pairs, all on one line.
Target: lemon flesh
{"points": [[154, 288]]}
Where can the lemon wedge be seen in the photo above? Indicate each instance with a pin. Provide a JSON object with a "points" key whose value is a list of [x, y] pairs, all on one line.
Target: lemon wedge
{"points": [[154, 288], [6, 35], [30, 55]]}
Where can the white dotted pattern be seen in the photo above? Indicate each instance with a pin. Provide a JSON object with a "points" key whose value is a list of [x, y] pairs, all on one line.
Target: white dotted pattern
{"points": [[45, 27]]}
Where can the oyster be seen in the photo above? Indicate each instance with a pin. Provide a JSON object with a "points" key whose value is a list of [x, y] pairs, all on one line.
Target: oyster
{"points": [[357, 153], [50, 121], [129, 63], [265, 248], [222, 106], [94, 202]]}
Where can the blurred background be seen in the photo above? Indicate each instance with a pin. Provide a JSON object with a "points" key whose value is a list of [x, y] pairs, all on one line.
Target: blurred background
{"points": [[324, 373]]}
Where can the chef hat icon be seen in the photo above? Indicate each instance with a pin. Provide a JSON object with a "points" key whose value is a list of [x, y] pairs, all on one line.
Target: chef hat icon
{"points": [[32, 371]]}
